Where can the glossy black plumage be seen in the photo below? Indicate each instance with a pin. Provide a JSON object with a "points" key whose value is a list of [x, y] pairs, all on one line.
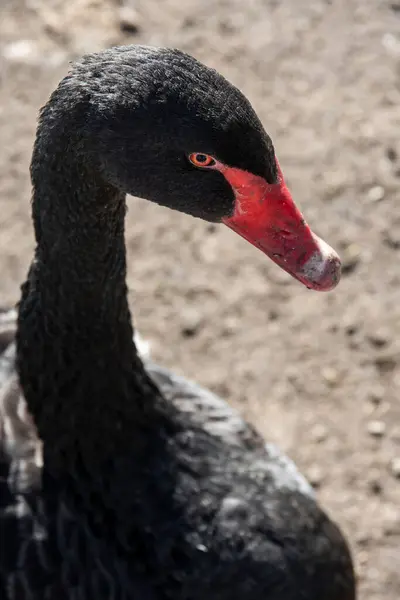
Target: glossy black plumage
{"points": [[150, 487]]}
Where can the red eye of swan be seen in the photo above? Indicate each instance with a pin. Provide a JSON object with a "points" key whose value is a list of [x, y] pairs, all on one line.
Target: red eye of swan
{"points": [[198, 159]]}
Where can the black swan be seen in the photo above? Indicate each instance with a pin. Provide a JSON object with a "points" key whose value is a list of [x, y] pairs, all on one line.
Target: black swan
{"points": [[143, 485]]}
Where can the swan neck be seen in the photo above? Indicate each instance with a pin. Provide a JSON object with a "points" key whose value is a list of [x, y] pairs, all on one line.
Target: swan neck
{"points": [[84, 383]]}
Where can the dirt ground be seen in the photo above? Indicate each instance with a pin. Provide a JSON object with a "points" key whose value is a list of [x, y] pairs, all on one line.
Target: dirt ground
{"points": [[318, 373]]}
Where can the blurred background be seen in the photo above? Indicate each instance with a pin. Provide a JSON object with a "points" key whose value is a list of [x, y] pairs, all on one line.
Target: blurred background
{"points": [[317, 373]]}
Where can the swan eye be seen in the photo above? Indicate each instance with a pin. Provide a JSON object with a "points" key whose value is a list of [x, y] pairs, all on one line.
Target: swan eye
{"points": [[199, 159]]}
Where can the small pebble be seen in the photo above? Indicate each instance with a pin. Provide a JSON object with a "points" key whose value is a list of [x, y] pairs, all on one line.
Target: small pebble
{"points": [[191, 322], [28, 52], [376, 428], [386, 363], [362, 538], [209, 249], [351, 258], [231, 324], [22, 51], [315, 476], [376, 194], [391, 521], [391, 43], [376, 395], [354, 344], [129, 21], [351, 329], [391, 153], [362, 558], [395, 467], [391, 238], [374, 483], [330, 375], [292, 373], [319, 432], [378, 338]]}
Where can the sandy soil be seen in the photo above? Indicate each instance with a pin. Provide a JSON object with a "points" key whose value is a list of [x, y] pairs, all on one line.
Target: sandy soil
{"points": [[319, 374]]}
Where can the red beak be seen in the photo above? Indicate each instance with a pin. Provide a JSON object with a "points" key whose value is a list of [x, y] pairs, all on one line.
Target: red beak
{"points": [[268, 218]]}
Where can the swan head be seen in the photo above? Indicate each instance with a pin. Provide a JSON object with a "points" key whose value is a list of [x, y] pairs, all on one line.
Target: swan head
{"points": [[158, 124]]}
